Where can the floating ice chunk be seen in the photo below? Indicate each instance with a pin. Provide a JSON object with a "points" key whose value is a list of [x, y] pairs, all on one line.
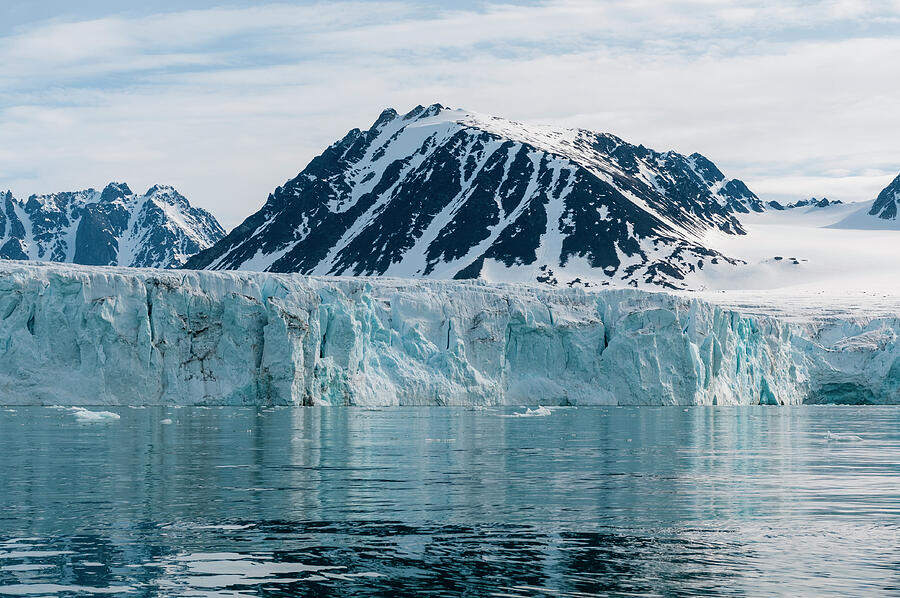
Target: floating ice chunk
{"points": [[84, 415], [541, 411]]}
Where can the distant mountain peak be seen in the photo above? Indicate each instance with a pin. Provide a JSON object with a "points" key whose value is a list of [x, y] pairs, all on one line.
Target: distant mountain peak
{"points": [[110, 227], [161, 190], [114, 191], [805, 203]]}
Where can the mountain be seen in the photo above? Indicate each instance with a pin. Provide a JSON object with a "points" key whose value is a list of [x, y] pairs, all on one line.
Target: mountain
{"points": [[885, 206], [447, 193], [159, 229], [805, 203]]}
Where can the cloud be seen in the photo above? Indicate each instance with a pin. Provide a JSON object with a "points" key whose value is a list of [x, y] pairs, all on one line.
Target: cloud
{"points": [[228, 103]]}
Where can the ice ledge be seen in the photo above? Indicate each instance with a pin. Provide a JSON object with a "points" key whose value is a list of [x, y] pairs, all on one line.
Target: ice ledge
{"points": [[82, 335]]}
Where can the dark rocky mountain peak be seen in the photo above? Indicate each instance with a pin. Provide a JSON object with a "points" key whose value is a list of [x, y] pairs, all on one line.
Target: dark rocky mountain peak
{"points": [[885, 206], [805, 203], [447, 193]]}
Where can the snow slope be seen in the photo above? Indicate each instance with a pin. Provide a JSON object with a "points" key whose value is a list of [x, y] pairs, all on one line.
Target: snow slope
{"points": [[836, 251], [82, 335], [158, 229], [441, 193]]}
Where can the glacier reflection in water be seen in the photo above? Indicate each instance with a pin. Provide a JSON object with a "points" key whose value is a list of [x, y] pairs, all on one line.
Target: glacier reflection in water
{"points": [[446, 502]]}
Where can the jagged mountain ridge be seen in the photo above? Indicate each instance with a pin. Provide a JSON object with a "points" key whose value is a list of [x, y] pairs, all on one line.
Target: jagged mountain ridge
{"points": [[804, 203], [159, 229], [887, 202], [451, 194]]}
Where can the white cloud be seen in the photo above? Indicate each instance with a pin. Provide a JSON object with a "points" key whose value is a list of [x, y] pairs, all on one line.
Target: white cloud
{"points": [[228, 103]]}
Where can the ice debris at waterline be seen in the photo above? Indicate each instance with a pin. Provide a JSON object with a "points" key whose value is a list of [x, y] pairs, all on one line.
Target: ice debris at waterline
{"points": [[78, 335], [87, 416], [541, 411]]}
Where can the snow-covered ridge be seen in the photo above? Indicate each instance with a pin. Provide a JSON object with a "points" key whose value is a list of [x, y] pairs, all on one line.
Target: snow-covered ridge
{"points": [[115, 226], [445, 193], [804, 203], [81, 335]]}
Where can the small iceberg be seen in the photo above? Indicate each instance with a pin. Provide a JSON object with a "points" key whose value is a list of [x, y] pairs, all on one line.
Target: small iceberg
{"points": [[84, 415], [833, 437], [541, 411]]}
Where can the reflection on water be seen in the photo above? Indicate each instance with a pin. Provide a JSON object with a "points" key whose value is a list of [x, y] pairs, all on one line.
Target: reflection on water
{"points": [[445, 502]]}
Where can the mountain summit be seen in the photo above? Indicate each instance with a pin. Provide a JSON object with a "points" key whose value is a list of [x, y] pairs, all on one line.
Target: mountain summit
{"points": [[885, 206], [446, 193], [158, 229]]}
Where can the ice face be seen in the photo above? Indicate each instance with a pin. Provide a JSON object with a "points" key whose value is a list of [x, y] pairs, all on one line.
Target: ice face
{"points": [[72, 335]]}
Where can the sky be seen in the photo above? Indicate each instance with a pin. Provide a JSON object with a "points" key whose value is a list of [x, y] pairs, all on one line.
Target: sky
{"points": [[227, 100]]}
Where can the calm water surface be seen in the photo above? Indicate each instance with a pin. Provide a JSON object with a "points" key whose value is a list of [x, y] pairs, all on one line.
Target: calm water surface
{"points": [[448, 502]]}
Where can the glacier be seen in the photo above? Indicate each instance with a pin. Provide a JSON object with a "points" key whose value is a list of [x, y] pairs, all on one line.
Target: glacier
{"points": [[78, 335]]}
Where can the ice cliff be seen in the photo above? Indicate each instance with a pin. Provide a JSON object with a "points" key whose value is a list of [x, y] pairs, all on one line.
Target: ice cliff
{"points": [[86, 335]]}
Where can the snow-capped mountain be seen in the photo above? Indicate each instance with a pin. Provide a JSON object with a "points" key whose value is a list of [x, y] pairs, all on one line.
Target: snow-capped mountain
{"points": [[885, 206], [158, 229], [447, 193], [804, 203]]}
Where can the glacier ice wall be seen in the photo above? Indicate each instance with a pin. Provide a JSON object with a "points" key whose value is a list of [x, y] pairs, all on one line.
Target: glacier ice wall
{"points": [[82, 335]]}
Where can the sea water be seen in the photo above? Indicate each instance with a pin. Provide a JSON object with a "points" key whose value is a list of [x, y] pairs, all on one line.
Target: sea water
{"points": [[447, 502]]}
